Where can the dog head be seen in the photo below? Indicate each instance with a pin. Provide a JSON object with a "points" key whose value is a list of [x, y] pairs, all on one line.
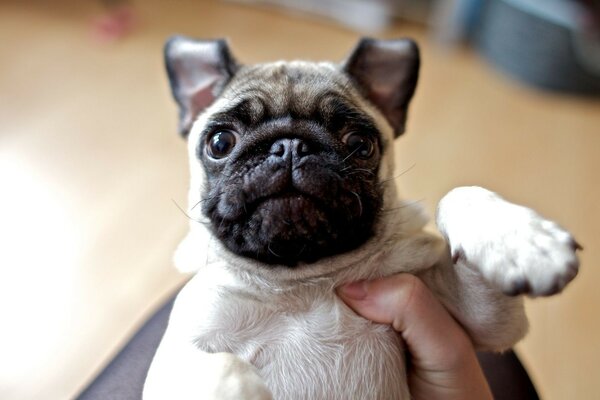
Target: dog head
{"points": [[291, 161]]}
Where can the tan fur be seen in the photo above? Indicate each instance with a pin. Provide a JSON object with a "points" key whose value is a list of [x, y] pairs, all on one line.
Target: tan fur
{"points": [[289, 331]]}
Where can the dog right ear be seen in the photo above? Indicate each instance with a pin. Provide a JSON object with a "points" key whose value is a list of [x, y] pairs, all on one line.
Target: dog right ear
{"points": [[387, 72], [198, 71]]}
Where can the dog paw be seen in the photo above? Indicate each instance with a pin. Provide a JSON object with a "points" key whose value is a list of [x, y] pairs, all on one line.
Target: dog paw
{"points": [[234, 379], [537, 257], [512, 246], [194, 375]]}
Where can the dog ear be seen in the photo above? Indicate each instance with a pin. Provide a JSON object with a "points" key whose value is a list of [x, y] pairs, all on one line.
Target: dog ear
{"points": [[386, 71], [198, 71]]}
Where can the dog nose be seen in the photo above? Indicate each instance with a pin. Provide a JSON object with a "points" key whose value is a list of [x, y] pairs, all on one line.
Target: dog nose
{"points": [[290, 147]]}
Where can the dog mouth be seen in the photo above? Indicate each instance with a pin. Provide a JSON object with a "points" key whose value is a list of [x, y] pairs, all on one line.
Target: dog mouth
{"points": [[291, 206], [286, 229], [290, 203], [291, 221], [282, 221], [295, 214]]}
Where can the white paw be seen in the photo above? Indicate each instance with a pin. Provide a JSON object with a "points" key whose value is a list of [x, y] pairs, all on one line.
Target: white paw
{"points": [[193, 375], [231, 378], [514, 248]]}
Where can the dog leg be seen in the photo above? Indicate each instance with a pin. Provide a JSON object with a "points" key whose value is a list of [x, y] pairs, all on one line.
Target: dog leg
{"points": [[514, 248], [494, 321], [184, 372], [497, 250]]}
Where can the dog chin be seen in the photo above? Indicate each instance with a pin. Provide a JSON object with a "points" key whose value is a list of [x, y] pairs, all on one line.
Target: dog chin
{"points": [[292, 229]]}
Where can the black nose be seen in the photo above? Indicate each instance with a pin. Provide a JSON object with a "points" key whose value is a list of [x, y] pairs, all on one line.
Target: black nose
{"points": [[290, 148]]}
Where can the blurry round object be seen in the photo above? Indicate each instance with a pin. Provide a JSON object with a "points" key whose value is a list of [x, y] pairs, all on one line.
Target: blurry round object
{"points": [[549, 43]]}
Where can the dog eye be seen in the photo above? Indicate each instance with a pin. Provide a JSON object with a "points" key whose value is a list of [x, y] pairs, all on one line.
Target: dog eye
{"points": [[359, 144], [220, 144]]}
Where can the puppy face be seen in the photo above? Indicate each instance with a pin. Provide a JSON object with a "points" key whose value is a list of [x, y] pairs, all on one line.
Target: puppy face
{"points": [[292, 177], [291, 152]]}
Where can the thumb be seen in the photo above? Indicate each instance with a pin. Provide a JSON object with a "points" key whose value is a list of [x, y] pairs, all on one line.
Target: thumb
{"points": [[404, 302], [443, 361]]}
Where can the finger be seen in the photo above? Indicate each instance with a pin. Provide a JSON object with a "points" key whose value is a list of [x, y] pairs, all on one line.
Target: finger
{"points": [[434, 338], [444, 364]]}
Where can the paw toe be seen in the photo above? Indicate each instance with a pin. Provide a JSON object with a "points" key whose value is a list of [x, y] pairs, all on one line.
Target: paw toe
{"points": [[520, 286], [457, 255]]}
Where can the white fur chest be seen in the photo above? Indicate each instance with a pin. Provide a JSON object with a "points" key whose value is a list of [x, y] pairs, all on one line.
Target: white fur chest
{"points": [[305, 342]]}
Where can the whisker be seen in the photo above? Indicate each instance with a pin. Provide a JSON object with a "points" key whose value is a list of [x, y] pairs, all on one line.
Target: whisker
{"points": [[351, 154], [359, 203], [206, 199], [186, 214], [405, 205], [272, 252], [198, 203], [399, 175], [360, 170], [221, 224], [301, 250], [181, 209]]}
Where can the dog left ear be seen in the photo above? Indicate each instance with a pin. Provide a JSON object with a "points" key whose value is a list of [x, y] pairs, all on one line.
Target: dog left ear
{"points": [[198, 71], [386, 71]]}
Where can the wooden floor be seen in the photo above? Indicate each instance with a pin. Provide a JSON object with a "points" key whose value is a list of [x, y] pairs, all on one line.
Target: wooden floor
{"points": [[91, 166]]}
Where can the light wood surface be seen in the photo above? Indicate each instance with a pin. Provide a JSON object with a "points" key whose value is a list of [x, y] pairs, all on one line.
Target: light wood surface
{"points": [[91, 165]]}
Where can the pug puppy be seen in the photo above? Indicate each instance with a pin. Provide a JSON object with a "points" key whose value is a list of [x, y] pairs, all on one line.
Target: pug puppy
{"points": [[292, 195]]}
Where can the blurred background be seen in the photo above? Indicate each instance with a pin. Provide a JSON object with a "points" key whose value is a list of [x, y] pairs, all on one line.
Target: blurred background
{"points": [[92, 170]]}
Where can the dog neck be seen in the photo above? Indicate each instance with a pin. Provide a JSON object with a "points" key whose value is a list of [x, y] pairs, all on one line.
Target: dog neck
{"points": [[395, 229]]}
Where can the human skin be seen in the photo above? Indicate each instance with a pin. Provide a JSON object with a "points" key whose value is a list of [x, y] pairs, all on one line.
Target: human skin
{"points": [[442, 361]]}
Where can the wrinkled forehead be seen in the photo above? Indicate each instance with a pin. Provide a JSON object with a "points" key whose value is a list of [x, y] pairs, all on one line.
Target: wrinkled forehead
{"points": [[302, 90]]}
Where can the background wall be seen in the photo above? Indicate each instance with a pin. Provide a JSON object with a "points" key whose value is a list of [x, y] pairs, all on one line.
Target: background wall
{"points": [[91, 166]]}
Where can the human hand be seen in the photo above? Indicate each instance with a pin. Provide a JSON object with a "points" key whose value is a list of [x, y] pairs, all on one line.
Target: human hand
{"points": [[443, 364]]}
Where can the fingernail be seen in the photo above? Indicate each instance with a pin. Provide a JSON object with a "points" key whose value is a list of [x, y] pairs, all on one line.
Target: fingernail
{"points": [[354, 290]]}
